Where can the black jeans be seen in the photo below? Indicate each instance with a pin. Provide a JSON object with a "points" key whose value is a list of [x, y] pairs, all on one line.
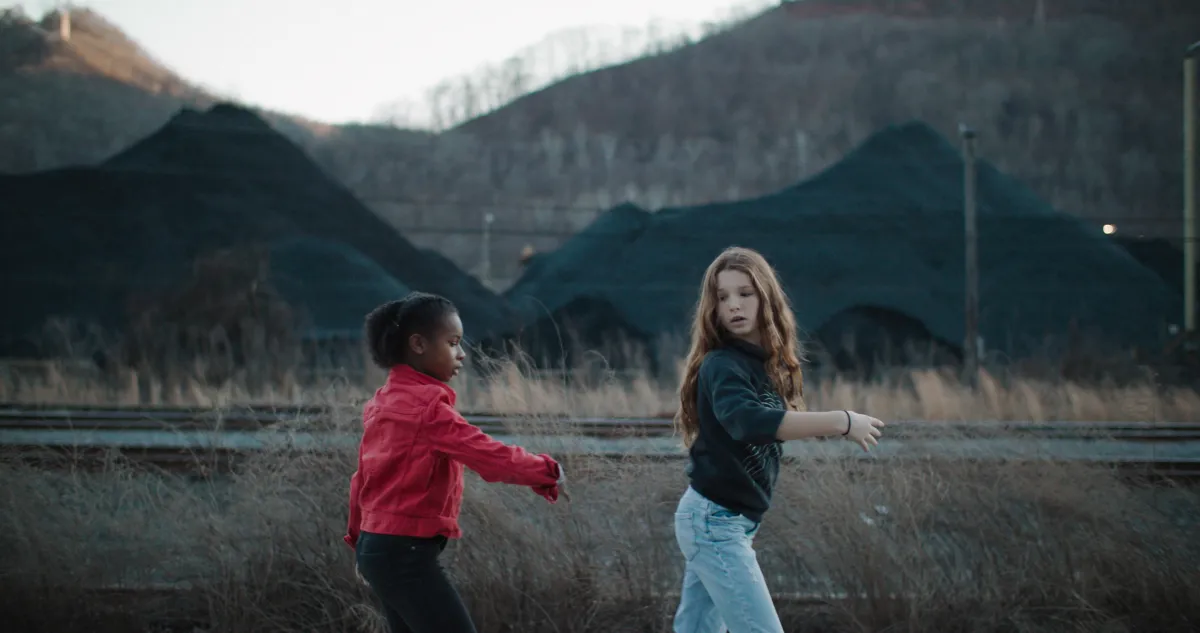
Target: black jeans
{"points": [[405, 575]]}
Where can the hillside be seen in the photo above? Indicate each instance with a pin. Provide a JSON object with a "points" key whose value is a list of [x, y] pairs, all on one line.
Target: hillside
{"points": [[1082, 106], [77, 101]]}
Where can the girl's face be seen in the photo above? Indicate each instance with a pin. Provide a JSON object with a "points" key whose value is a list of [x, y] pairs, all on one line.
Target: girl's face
{"points": [[440, 355], [737, 305]]}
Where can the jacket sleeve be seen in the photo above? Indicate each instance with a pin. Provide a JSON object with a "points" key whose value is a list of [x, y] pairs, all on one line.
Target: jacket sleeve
{"points": [[735, 402], [352, 527], [493, 460]]}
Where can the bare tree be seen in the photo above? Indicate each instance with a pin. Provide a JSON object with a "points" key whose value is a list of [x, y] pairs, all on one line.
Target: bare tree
{"points": [[401, 113]]}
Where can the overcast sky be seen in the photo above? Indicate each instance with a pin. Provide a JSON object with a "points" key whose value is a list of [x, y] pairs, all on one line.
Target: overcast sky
{"points": [[340, 61]]}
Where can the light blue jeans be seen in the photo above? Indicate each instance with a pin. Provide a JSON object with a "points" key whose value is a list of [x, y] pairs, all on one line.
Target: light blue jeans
{"points": [[722, 583]]}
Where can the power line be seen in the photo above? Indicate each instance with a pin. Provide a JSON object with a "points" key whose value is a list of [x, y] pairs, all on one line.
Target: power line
{"points": [[833, 213], [920, 281], [418, 138], [1023, 240], [778, 196]]}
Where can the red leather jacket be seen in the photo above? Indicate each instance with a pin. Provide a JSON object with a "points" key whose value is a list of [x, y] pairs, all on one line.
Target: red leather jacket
{"points": [[414, 446]]}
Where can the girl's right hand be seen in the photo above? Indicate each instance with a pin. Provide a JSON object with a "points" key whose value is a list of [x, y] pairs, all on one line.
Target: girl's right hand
{"points": [[864, 429], [562, 480]]}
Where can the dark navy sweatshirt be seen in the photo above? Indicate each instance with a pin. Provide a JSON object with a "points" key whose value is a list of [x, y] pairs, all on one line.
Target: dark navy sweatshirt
{"points": [[734, 460]]}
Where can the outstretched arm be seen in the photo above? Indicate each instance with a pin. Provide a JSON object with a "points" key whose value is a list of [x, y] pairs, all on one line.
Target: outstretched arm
{"points": [[739, 410], [493, 460], [801, 425]]}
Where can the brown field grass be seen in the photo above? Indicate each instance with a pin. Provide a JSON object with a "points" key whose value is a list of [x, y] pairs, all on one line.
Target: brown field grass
{"points": [[914, 394], [918, 546], [915, 545]]}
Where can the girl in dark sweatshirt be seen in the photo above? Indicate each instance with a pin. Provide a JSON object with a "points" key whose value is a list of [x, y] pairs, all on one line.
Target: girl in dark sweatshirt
{"points": [[741, 397]]}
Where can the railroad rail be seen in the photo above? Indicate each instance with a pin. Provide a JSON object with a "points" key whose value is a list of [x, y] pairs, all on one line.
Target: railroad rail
{"points": [[254, 418], [215, 440]]}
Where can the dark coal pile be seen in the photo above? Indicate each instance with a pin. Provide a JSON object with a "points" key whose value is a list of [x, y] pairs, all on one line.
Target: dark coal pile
{"points": [[336, 285], [879, 234], [1159, 255], [79, 242], [863, 338], [572, 335]]}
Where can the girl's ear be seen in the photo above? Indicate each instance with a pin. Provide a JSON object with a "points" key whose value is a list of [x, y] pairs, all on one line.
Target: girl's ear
{"points": [[416, 344]]}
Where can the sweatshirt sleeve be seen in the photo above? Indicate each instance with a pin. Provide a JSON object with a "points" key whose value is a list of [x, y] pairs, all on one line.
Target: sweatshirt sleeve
{"points": [[493, 460], [735, 402]]}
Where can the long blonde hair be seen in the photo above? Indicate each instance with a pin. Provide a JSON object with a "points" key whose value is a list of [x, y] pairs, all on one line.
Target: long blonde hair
{"points": [[777, 324]]}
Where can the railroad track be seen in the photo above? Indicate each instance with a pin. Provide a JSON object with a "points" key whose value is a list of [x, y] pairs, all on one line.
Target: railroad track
{"points": [[212, 440], [246, 418]]}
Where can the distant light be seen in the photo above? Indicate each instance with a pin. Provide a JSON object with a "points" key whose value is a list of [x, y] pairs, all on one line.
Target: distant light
{"points": [[1109, 229]]}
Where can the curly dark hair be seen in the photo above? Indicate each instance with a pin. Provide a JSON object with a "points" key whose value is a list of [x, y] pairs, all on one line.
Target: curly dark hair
{"points": [[389, 326]]}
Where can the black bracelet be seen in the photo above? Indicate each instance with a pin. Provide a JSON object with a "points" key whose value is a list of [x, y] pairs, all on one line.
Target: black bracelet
{"points": [[847, 422]]}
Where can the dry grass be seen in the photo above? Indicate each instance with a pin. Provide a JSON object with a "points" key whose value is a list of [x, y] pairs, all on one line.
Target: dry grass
{"points": [[917, 545], [920, 546], [918, 394]]}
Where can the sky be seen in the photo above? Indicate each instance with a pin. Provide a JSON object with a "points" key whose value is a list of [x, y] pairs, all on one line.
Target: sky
{"points": [[341, 61]]}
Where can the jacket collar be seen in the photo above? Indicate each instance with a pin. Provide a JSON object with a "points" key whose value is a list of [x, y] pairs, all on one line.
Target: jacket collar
{"points": [[746, 347], [402, 376]]}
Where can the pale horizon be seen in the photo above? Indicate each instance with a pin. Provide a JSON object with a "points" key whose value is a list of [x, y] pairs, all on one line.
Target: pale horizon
{"points": [[372, 54]]}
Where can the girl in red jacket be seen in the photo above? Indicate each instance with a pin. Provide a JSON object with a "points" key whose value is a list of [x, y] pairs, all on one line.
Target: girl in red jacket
{"points": [[405, 495]]}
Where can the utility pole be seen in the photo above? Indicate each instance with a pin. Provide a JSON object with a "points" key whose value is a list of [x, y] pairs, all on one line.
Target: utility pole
{"points": [[971, 235], [485, 268], [1189, 192]]}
